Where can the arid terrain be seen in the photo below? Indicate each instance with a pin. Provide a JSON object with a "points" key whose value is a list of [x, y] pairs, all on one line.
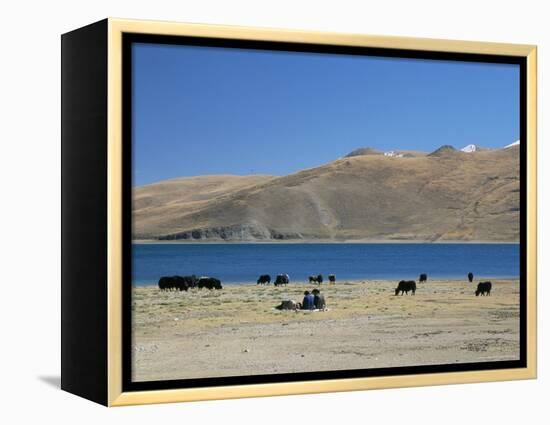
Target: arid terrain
{"points": [[447, 195], [237, 330]]}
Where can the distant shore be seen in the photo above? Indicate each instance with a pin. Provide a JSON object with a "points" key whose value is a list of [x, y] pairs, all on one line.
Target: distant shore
{"points": [[237, 330], [316, 241]]}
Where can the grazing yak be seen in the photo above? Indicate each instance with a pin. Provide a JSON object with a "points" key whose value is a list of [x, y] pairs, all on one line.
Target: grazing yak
{"points": [[483, 288], [405, 286], [423, 278], [281, 279], [316, 279], [192, 281], [166, 283], [332, 278], [210, 283], [177, 283], [186, 282], [470, 277], [264, 279]]}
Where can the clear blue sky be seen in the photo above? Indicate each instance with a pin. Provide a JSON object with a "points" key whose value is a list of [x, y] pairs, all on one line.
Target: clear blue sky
{"points": [[199, 110]]}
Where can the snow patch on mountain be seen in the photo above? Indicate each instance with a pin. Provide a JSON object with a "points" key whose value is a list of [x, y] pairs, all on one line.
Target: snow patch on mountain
{"points": [[469, 148], [393, 154], [516, 143]]}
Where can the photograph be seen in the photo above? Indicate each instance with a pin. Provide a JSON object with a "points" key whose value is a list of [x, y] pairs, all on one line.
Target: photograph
{"points": [[276, 211], [306, 212]]}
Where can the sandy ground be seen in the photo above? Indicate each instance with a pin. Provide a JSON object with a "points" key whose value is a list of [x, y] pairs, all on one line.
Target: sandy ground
{"points": [[236, 330]]}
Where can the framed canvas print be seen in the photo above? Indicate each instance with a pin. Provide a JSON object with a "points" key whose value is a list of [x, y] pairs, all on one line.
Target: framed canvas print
{"points": [[251, 212]]}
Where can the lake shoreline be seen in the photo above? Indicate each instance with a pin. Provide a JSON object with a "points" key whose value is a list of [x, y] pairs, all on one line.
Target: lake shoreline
{"points": [[326, 282]]}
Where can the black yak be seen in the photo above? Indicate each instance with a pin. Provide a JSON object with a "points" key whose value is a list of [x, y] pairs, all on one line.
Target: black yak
{"points": [[210, 283], [180, 283], [187, 282], [282, 279], [192, 281], [423, 278], [316, 279], [405, 286], [470, 277], [166, 283], [332, 278], [263, 279], [177, 283], [483, 288]]}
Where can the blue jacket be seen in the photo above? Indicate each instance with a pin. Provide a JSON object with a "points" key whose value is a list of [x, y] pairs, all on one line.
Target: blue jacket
{"points": [[308, 303]]}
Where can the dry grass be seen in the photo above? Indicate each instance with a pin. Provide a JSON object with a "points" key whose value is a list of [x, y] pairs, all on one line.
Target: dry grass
{"points": [[206, 333]]}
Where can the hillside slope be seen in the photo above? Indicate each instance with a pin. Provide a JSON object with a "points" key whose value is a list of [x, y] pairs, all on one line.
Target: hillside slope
{"points": [[449, 196]]}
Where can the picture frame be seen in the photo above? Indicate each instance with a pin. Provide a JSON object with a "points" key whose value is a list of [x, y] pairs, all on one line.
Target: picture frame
{"points": [[96, 316]]}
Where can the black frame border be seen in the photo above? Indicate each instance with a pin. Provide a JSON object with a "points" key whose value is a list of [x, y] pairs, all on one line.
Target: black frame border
{"points": [[129, 38]]}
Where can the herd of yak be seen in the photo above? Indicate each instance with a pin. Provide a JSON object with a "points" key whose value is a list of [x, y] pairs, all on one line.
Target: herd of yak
{"points": [[406, 286], [184, 283], [283, 279]]}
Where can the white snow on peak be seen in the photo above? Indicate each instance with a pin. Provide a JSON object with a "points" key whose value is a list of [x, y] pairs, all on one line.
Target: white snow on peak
{"points": [[393, 154], [512, 144], [469, 148]]}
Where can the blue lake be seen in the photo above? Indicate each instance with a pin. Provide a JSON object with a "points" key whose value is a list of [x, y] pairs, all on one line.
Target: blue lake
{"points": [[243, 263]]}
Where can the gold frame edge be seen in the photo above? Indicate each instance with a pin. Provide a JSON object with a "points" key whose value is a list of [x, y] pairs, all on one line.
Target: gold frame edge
{"points": [[116, 27]]}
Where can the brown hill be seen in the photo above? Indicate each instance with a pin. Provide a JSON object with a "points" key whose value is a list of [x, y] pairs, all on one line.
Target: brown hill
{"points": [[363, 151], [454, 196]]}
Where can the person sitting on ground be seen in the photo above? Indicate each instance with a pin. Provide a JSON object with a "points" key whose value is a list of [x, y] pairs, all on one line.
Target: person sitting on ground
{"points": [[309, 302], [319, 300]]}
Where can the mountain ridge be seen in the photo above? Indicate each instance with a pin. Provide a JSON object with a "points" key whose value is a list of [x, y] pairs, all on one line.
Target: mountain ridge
{"points": [[453, 196]]}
